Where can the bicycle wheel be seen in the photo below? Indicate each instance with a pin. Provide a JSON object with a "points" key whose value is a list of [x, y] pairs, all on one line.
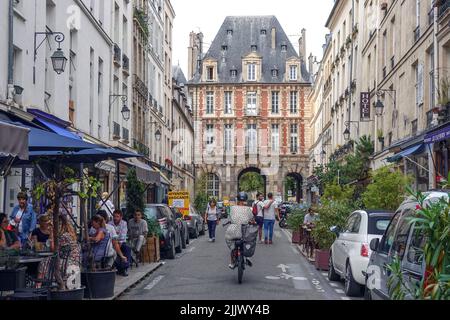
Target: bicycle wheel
{"points": [[240, 268]]}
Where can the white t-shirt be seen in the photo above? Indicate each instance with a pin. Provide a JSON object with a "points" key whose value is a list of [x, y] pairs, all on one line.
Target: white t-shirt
{"points": [[18, 216], [260, 206], [108, 206], [269, 214]]}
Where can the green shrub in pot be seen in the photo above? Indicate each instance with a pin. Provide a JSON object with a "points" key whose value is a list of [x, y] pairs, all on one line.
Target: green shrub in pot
{"points": [[295, 219]]}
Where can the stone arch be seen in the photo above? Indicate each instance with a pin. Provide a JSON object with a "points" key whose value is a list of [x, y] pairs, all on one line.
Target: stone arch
{"points": [[299, 184], [255, 170]]}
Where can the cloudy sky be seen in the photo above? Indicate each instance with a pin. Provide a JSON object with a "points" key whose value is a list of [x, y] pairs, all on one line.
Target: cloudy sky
{"points": [[208, 15]]}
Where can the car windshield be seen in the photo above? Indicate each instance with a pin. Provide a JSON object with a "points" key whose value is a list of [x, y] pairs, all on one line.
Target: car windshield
{"points": [[153, 213], [378, 224]]}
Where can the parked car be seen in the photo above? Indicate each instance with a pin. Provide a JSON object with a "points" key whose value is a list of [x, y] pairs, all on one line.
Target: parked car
{"points": [[403, 240], [183, 226], [195, 223], [170, 243], [350, 252]]}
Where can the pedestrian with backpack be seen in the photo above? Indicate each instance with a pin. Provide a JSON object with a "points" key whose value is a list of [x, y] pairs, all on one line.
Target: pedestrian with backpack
{"points": [[270, 210], [258, 212]]}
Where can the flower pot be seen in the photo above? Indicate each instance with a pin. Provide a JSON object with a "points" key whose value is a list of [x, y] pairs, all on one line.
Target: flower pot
{"points": [[322, 258], [75, 294], [296, 236], [99, 284], [10, 280]]}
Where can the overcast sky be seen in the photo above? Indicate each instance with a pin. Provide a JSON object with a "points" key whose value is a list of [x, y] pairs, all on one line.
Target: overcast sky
{"points": [[208, 15]]}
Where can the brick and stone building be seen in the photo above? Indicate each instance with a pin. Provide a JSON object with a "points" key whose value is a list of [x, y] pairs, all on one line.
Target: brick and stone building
{"points": [[250, 101]]}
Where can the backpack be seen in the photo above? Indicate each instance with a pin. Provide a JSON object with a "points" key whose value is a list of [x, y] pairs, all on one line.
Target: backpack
{"points": [[255, 209]]}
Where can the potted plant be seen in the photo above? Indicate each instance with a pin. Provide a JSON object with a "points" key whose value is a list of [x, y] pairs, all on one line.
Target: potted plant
{"points": [[151, 248], [53, 190], [294, 221], [11, 276], [332, 214]]}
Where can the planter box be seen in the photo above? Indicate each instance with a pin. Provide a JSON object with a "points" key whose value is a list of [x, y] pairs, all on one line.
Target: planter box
{"points": [[322, 258], [151, 251], [99, 284], [71, 295], [10, 280], [296, 236]]}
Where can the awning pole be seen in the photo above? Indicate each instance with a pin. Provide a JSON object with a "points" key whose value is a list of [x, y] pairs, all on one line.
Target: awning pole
{"points": [[118, 184], [417, 164]]}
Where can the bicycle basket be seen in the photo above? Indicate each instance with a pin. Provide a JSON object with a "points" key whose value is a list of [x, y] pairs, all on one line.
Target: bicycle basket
{"points": [[250, 235]]}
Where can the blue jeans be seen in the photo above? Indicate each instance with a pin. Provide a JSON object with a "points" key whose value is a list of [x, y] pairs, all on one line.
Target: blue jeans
{"points": [[268, 229], [119, 263], [212, 229]]}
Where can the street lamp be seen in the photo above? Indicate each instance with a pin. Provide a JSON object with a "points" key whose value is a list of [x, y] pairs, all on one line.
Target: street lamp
{"points": [[347, 129], [126, 113], [59, 61], [158, 135], [379, 108], [347, 134]]}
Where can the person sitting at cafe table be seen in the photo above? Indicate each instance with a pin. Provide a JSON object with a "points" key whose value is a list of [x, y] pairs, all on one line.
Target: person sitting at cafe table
{"points": [[102, 248], [137, 232], [121, 228], [43, 235], [23, 218], [8, 239]]}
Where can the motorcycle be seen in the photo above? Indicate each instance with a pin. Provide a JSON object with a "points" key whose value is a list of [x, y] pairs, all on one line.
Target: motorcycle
{"points": [[283, 217]]}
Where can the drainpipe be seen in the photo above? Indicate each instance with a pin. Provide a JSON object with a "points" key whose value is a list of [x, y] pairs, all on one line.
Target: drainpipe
{"points": [[351, 74], [432, 172], [10, 90]]}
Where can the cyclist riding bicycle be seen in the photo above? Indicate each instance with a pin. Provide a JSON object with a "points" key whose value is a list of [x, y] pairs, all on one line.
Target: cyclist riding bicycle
{"points": [[240, 215]]}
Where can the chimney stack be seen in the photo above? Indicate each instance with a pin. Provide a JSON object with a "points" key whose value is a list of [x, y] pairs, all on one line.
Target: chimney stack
{"points": [[274, 38], [302, 45], [195, 53], [311, 61]]}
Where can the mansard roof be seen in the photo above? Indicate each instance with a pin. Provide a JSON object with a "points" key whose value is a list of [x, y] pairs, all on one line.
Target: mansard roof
{"points": [[234, 42]]}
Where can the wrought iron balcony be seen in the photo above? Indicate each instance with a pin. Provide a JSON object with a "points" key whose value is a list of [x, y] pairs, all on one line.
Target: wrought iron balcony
{"points": [[141, 148], [125, 62], [444, 8], [140, 87]]}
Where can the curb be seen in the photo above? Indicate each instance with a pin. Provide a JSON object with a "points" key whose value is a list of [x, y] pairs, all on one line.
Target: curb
{"points": [[134, 284]]}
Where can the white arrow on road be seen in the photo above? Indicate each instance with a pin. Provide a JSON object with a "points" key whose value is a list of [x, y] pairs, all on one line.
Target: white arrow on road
{"points": [[283, 267]]}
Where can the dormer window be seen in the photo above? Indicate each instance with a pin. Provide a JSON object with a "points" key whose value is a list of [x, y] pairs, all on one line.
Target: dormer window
{"points": [[251, 72], [274, 73], [283, 48], [254, 48], [210, 73], [233, 73], [224, 48], [229, 32], [263, 32], [293, 74]]}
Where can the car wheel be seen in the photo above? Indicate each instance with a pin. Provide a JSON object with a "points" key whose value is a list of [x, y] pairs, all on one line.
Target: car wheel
{"points": [[202, 232], [171, 253], [187, 236], [352, 288], [332, 274], [183, 240], [195, 235], [178, 249]]}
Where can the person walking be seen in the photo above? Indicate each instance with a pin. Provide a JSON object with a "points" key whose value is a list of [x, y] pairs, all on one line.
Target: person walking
{"points": [[270, 209], [213, 219], [259, 204]]}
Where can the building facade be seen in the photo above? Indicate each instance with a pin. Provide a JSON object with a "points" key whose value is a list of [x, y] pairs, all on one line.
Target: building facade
{"points": [[251, 110], [182, 135], [399, 62]]}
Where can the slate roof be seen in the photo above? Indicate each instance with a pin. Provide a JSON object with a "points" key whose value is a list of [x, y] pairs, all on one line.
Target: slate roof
{"points": [[246, 31], [178, 75]]}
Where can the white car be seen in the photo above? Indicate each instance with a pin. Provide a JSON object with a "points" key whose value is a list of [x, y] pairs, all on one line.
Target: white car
{"points": [[349, 256]]}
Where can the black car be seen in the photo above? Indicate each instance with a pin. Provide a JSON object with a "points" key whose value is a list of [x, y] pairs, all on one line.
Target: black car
{"points": [[170, 243]]}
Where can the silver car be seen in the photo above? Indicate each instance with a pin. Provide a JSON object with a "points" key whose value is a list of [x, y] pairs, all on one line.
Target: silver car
{"points": [[195, 222]]}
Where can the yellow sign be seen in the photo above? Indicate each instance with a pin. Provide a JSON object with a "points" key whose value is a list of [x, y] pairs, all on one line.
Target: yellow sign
{"points": [[180, 200]]}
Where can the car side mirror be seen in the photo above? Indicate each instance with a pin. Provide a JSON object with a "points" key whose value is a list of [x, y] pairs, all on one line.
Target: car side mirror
{"points": [[374, 244], [336, 230]]}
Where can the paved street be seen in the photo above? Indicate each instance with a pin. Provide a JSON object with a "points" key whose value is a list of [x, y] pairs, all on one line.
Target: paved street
{"points": [[201, 273]]}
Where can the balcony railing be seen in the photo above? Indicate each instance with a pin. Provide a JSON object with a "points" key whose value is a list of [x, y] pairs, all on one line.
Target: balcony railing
{"points": [[116, 131], [141, 148], [140, 86], [117, 54]]}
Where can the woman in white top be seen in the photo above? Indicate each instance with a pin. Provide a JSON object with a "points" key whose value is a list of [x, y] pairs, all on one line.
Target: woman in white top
{"points": [[212, 217]]}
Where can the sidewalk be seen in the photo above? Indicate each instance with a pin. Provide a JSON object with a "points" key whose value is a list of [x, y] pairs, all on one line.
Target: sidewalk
{"points": [[136, 275], [299, 247]]}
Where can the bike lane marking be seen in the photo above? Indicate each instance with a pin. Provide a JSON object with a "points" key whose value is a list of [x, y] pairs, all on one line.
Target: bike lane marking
{"points": [[154, 282]]}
